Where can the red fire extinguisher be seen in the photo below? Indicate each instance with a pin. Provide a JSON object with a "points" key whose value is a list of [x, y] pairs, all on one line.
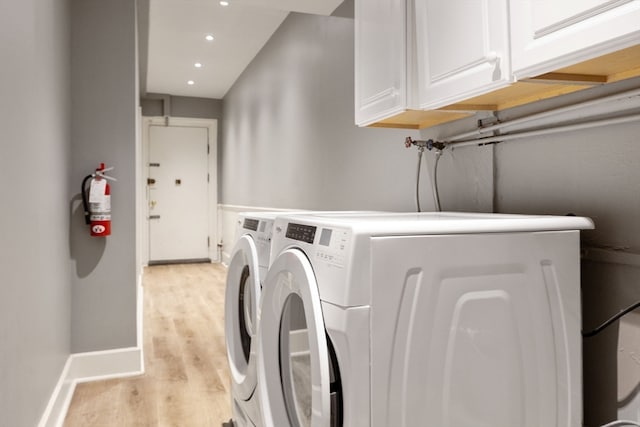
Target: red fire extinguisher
{"points": [[97, 202]]}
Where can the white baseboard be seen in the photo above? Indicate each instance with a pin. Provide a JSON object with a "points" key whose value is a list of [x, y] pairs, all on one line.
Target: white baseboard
{"points": [[245, 208], [104, 365], [58, 405], [84, 367]]}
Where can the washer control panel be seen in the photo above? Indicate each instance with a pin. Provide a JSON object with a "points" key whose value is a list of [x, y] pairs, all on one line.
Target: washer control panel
{"points": [[301, 232], [332, 246], [250, 224], [327, 245]]}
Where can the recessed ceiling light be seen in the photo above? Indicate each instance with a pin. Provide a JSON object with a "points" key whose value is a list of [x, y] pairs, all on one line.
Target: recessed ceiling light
{"points": [[191, 82], [224, 3], [197, 65], [209, 37]]}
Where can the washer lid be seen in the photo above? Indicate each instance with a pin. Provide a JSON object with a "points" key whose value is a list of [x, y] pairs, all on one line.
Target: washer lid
{"points": [[293, 362], [241, 316]]}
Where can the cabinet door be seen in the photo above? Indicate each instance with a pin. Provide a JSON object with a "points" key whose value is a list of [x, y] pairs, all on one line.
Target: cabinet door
{"points": [[463, 49], [380, 59], [550, 34]]}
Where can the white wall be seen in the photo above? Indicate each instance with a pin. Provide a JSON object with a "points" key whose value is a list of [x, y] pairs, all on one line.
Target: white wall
{"points": [[289, 142], [34, 218], [104, 109]]}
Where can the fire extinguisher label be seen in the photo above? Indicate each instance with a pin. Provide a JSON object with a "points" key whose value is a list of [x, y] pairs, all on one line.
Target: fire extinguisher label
{"points": [[100, 217], [103, 206], [97, 191]]}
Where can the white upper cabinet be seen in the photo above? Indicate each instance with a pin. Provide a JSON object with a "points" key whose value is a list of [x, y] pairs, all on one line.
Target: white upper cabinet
{"points": [[380, 59], [551, 34], [419, 63], [463, 49]]}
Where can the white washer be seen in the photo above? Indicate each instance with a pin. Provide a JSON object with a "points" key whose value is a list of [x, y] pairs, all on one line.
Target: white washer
{"points": [[247, 268], [431, 319]]}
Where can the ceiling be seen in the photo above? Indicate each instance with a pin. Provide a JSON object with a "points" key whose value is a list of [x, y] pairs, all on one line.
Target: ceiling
{"points": [[177, 31]]}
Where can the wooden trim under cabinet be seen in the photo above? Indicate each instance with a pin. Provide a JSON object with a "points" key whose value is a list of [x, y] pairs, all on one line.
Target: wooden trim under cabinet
{"points": [[621, 65]]}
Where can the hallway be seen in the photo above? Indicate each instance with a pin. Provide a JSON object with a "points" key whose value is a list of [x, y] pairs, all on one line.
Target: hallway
{"points": [[186, 380]]}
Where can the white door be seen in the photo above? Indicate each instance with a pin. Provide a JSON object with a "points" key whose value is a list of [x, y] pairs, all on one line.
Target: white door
{"points": [[463, 49], [178, 193], [550, 34]]}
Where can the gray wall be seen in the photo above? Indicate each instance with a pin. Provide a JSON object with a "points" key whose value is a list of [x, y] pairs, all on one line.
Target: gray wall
{"points": [[595, 173], [34, 218], [63, 59], [289, 142], [289, 139], [104, 108], [157, 105], [143, 44], [345, 10]]}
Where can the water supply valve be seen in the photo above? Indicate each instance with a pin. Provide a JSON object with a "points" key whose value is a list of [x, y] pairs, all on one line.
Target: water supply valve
{"points": [[429, 144]]}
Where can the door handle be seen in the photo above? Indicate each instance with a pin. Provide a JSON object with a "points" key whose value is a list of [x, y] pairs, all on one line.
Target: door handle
{"points": [[151, 181], [154, 216]]}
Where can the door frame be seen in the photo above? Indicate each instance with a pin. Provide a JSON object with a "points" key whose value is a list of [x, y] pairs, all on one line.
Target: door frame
{"points": [[143, 202]]}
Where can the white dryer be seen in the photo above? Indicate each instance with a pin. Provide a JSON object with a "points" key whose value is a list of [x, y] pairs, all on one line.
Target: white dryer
{"points": [[247, 268], [431, 319]]}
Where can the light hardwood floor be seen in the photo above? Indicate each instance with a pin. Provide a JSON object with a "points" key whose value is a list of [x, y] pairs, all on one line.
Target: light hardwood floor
{"points": [[186, 382]]}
